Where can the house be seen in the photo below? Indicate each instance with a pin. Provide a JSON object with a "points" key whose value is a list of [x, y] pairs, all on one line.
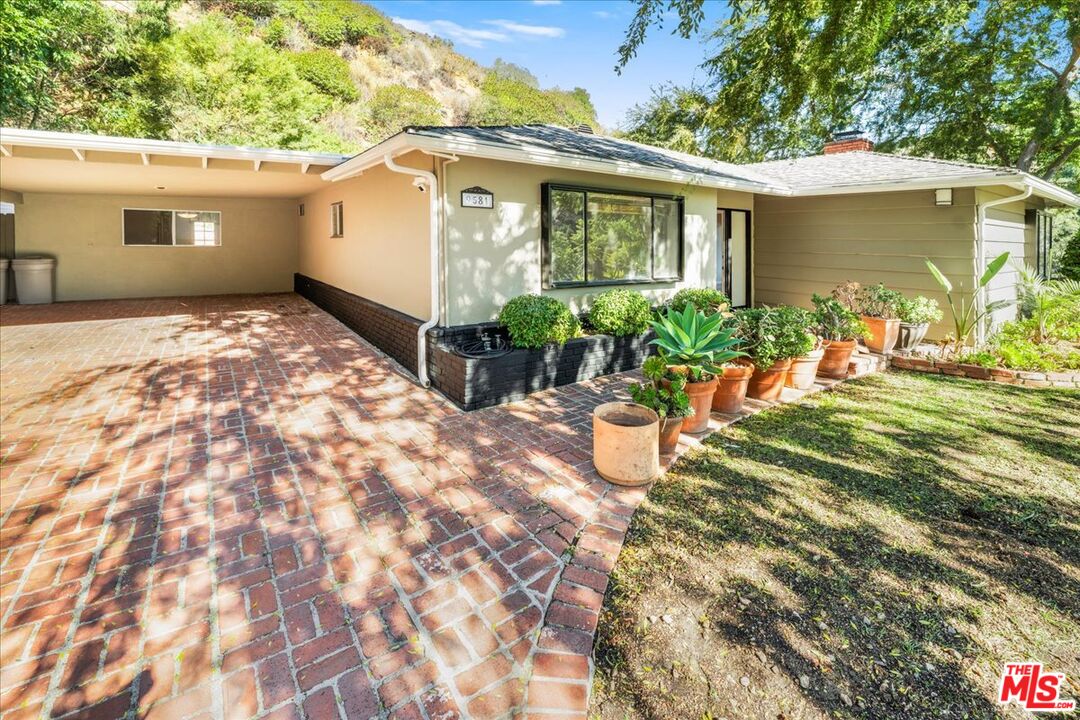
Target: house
{"points": [[436, 227]]}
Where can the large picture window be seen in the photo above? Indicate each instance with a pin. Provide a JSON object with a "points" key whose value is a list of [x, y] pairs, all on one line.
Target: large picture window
{"points": [[190, 228], [609, 237]]}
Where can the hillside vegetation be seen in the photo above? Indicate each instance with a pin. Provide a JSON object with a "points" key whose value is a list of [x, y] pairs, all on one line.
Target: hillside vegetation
{"points": [[332, 75]]}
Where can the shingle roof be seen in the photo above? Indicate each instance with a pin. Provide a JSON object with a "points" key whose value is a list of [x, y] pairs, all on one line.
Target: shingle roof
{"points": [[867, 168], [552, 138]]}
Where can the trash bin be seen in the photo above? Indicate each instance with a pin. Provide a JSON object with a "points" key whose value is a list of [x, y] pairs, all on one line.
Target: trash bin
{"points": [[33, 279], [3, 280]]}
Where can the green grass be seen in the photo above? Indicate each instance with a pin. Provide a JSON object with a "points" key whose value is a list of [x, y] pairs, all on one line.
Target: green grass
{"points": [[880, 554]]}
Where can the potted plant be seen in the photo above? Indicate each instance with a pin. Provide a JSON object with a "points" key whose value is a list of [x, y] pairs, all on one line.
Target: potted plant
{"points": [[840, 330], [731, 384], [694, 346], [667, 399], [804, 368], [878, 306], [915, 318], [772, 336]]}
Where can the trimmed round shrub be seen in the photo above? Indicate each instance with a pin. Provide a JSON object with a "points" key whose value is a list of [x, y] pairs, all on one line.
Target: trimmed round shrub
{"points": [[328, 71], [707, 300], [536, 320], [620, 312]]}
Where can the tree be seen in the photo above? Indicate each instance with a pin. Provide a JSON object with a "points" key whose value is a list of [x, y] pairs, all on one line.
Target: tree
{"points": [[985, 80], [1069, 265], [510, 71]]}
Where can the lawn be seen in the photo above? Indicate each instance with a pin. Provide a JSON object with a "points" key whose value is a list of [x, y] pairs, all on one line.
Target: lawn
{"points": [[879, 551]]}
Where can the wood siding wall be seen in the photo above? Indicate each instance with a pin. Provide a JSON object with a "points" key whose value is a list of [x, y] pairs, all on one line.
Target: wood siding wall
{"points": [[811, 244]]}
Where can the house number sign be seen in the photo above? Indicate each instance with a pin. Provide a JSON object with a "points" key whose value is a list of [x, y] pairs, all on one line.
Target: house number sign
{"points": [[477, 197]]}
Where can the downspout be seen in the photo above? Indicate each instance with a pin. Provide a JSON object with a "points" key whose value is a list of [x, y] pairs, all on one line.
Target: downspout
{"points": [[423, 177], [444, 223], [980, 250]]}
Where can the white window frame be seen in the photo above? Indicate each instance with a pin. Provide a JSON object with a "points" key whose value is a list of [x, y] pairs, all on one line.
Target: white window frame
{"points": [[337, 219], [174, 211]]}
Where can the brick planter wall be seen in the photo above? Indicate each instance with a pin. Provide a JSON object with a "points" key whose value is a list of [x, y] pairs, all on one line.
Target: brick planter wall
{"points": [[476, 383], [978, 372]]}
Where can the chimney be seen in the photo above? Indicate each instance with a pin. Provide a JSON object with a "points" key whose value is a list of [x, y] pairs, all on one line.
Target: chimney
{"points": [[848, 141]]}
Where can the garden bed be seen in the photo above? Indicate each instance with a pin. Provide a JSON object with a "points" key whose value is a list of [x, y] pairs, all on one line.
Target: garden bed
{"points": [[1008, 376], [474, 383]]}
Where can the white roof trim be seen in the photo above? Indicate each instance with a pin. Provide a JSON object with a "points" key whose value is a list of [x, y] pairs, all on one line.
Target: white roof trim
{"points": [[1017, 179], [106, 143], [404, 142]]}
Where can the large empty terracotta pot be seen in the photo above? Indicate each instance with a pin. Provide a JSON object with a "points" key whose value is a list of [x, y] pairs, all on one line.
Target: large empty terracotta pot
{"points": [[626, 443], [731, 389], [769, 383], [804, 370], [834, 364], [701, 395], [883, 332]]}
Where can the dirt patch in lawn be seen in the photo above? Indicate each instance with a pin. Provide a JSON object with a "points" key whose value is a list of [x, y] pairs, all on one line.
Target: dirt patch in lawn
{"points": [[880, 552]]}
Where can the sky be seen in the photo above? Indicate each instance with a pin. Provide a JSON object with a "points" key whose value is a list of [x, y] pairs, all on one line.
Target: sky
{"points": [[564, 43]]}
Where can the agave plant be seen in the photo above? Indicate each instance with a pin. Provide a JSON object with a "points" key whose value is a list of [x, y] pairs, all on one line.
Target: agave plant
{"points": [[967, 317], [695, 340]]}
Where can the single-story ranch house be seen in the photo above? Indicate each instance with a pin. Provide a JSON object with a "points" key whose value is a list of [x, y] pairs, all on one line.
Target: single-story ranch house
{"points": [[436, 227]]}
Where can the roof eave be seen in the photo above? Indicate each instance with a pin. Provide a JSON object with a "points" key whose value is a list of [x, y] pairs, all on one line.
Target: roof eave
{"points": [[1040, 187], [405, 141], [107, 143]]}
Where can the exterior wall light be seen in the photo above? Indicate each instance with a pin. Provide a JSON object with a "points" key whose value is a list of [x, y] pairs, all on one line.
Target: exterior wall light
{"points": [[943, 196]]}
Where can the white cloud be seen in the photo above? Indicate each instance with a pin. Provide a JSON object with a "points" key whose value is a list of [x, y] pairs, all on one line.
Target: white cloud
{"points": [[547, 2], [520, 29], [603, 14], [472, 37]]}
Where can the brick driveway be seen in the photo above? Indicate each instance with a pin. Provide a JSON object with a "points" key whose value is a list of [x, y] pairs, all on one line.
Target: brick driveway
{"points": [[233, 507]]}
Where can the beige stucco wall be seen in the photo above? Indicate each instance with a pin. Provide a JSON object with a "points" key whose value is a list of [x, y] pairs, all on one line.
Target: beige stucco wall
{"points": [[84, 232], [494, 255], [811, 244], [383, 255]]}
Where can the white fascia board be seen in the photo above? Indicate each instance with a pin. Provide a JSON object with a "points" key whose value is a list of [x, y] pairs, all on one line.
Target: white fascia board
{"points": [[404, 142], [1017, 180], [107, 143]]}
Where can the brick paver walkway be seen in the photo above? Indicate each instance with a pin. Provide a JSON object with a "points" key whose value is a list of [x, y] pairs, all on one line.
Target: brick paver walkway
{"points": [[233, 507]]}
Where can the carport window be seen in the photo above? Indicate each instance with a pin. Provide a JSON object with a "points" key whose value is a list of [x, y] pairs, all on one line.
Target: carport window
{"points": [[176, 228], [337, 220], [596, 236]]}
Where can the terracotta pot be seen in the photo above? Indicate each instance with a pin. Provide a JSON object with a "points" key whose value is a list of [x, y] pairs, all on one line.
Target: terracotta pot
{"points": [[804, 370], [910, 336], [701, 395], [670, 427], [626, 443], [769, 383], [731, 389], [883, 332], [837, 357]]}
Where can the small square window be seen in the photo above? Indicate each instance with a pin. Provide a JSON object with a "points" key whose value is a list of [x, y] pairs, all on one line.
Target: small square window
{"points": [[337, 220]]}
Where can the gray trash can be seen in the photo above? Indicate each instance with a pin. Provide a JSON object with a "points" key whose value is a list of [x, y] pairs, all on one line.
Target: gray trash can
{"points": [[3, 280], [34, 279]]}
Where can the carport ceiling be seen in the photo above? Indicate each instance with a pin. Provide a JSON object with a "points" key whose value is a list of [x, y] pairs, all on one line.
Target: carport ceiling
{"points": [[35, 161]]}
